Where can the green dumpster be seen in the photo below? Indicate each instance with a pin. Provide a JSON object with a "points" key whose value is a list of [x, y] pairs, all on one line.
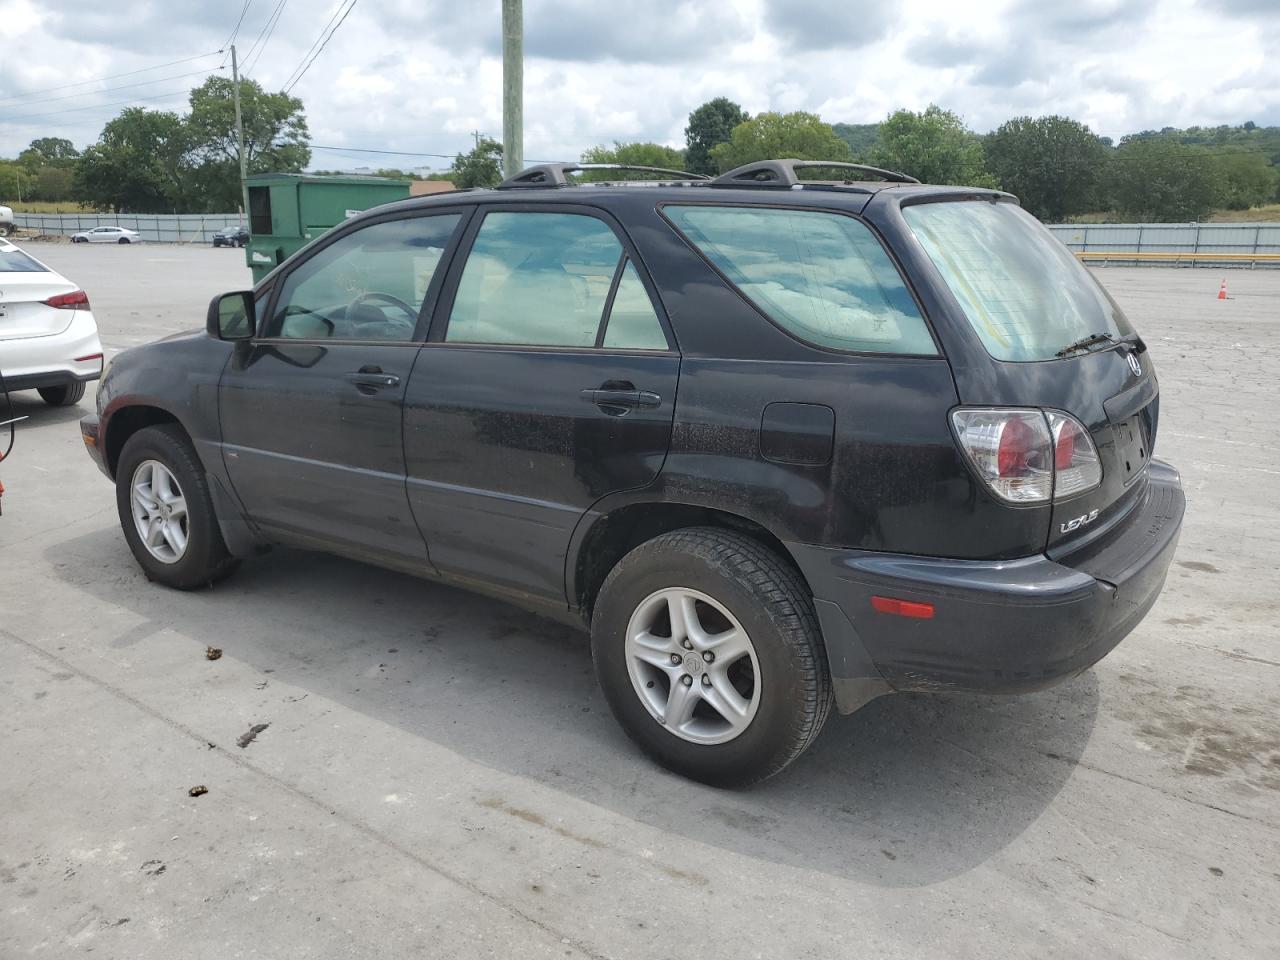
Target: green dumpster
{"points": [[289, 210]]}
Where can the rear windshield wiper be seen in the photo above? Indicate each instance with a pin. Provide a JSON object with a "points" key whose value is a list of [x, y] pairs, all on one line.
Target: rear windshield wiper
{"points": [[1132, 340]]}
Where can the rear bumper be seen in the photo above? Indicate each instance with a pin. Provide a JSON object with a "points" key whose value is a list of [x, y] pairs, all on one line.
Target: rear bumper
{"points": [[50, 361], [1007, 626]]}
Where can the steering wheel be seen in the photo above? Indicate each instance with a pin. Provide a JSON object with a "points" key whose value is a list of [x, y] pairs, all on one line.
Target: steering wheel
{"points": [[410, 312]]}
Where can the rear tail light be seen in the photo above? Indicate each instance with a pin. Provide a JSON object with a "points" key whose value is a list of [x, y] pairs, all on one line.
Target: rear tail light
{"points": [[1075, 459], [75, 300], [1028, 456]]}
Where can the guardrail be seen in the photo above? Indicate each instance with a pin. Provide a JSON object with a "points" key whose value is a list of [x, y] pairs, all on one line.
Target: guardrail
{"points": [[1173, 244]]}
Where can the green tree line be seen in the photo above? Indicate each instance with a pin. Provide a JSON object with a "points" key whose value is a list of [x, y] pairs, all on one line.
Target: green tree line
{"points": [[151, 161]]}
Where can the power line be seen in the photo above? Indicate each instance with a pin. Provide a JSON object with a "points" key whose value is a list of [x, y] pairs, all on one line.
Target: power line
{"points": [[322, 46], [123, 86], [314, 43], [236, 29], [264, 36], [96, 106], [114, 76]]}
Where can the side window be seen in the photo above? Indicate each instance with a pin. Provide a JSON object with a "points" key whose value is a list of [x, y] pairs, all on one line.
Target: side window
{"points": [[369, 285], [535, 278], [822, 276], [633, 324]]}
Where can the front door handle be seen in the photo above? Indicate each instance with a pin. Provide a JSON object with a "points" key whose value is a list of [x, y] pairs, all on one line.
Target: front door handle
{"points": [[372, 378]]}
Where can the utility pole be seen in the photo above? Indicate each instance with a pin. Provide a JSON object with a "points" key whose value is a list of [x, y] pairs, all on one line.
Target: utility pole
{"points": [[235, 81], [512, 87]]}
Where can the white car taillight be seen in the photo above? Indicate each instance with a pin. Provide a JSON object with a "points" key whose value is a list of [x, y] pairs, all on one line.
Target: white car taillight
{"points": [[1075, 459], [1027, 456]]}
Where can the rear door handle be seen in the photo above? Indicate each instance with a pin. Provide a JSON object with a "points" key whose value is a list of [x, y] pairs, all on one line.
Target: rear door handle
{"points": [[622, 398]]}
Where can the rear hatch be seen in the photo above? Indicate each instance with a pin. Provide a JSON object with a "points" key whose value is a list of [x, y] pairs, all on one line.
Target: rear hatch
{"points": [[1034, 329], [25, 284]]}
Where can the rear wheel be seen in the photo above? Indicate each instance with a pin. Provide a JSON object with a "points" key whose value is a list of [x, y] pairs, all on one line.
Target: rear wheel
{"points": [[708, 650], [6, 229], [166, 512], [123, 240], [64, 396]]}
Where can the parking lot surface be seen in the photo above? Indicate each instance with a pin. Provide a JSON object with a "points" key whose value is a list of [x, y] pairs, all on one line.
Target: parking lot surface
{"points": [[439, 777]]}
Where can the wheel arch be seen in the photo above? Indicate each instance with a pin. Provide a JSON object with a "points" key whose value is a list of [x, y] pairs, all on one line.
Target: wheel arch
{"points": [[614, 534], [125, 421]]}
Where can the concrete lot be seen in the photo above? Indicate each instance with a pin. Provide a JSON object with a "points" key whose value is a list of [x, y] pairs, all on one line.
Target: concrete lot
{"points": [[440, 777]]}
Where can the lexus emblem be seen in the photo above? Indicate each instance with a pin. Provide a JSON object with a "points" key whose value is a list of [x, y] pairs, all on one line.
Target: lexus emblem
{"points": [[1134, 365]]}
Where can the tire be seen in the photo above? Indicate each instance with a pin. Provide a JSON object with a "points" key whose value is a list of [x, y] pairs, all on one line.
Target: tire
{"points": [[124, 240], [204, 559], [789, 689], [64, 396], [6, 229]]}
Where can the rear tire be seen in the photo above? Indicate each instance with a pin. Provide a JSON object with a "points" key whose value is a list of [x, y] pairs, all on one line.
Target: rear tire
{"points": [[64, 396], [6, 229], [149, 499], [782, 680], [124, 240]]}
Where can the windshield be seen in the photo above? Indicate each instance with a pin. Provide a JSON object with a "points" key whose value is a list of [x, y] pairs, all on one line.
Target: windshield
{"points": [[1024, 293]]}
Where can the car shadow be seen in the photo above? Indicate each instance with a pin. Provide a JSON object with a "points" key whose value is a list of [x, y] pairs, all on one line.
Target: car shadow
{"points": [[27, 403], [911, 790]]}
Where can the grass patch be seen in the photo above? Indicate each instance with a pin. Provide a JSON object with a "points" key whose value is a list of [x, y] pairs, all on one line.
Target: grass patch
{"points": [[1253, 215], [47, 206]]}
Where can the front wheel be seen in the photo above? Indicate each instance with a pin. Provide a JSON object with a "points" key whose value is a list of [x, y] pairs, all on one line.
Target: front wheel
{"points": [[166, 512], [708, 650]]}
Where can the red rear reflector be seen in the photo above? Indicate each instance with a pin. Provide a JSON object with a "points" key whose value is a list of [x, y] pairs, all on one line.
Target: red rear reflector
{"points": [[903, 608], [68, 301], [92, 356]]}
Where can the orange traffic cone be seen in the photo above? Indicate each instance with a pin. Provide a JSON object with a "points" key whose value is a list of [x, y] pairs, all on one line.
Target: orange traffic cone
{"points": [[1222, 291]]}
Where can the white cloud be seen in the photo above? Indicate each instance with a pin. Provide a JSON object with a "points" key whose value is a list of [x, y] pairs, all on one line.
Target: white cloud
{"points": [[411, 76]]}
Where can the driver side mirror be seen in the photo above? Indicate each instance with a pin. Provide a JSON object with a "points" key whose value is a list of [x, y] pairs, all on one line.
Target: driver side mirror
{"points": [[231, 316]]}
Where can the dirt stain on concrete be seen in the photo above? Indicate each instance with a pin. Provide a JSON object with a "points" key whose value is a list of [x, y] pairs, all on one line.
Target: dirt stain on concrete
{"points": [[1199, 566], [1205, 737]]}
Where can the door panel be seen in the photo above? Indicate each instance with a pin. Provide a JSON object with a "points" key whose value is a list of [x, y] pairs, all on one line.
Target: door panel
{"points": [[311, 413], [518, 418], [313, 454], [504, 454]]}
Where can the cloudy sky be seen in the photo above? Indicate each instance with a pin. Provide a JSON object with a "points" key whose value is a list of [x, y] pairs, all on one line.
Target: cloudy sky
{"points": [[419, 75]]}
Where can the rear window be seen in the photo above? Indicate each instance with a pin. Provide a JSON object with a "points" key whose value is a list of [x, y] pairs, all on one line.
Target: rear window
{"points": [[822, 276], [13, 260], [1024, 293]]}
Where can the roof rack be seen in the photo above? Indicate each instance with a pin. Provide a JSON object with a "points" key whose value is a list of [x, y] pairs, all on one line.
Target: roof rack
{"points": [[553, 174], [782, 173]]}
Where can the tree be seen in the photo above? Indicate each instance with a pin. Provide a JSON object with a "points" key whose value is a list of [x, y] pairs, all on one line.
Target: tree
{"points": [[138, 164], [774, 136], [641, 154], [861, 137], [481, 167], [710, 125], [49, 152], [933, 146], [276, 139], [1158, 180], [1054, 165], [1249, 179]]}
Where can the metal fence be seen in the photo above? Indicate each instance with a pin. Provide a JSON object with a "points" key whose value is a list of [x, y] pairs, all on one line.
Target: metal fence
{"points": [[157, 227], [1189, 244]]}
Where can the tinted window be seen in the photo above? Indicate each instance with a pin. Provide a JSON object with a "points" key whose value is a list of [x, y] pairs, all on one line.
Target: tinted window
{"points": [[1024, 293], [369, 285], [822, 276], [13, 260], [535, 278], [633, 323]]}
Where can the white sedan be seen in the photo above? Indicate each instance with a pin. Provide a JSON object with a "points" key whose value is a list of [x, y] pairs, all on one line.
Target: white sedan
{"points": [[107, 235], [48, 337]]}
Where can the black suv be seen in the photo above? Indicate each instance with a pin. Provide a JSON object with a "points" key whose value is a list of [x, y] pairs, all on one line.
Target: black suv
{"points": [[778, 443], [231, 237]]}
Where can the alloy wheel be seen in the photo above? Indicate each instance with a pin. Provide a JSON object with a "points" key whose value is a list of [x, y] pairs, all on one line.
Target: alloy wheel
{"points": [[159, 511]]}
